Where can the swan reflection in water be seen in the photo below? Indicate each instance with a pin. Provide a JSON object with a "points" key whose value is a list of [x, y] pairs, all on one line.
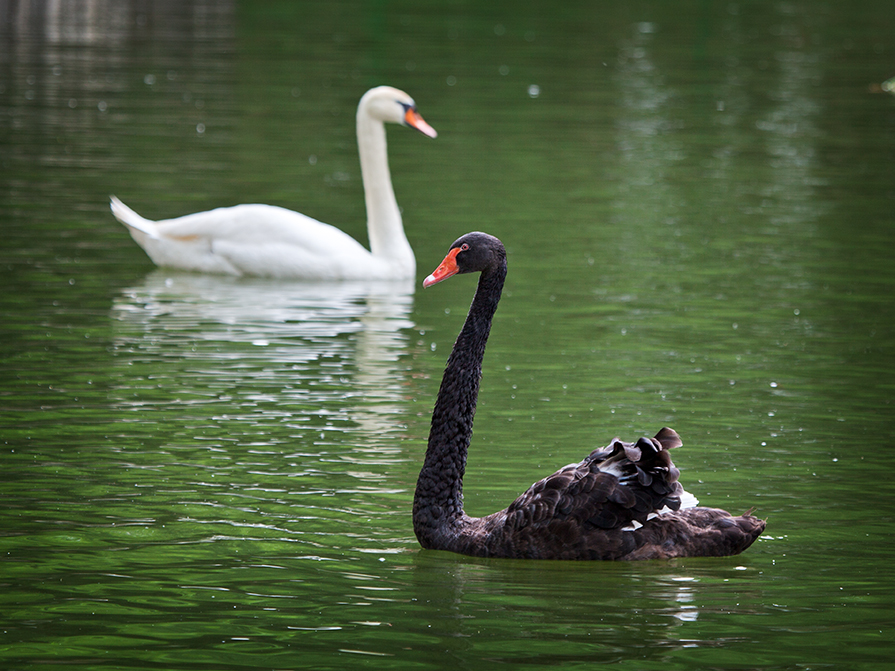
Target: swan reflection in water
{"points": [[474, 594], [289, 351]]}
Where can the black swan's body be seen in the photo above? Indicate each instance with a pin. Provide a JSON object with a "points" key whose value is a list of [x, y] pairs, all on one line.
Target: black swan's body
{"points": [[621, 502]]}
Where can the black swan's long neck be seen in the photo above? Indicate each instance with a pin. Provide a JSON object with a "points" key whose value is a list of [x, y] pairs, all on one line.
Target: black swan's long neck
{"points": [[438, 503]]}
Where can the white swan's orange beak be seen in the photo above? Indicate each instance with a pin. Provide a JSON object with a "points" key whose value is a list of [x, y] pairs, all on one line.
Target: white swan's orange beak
{"points": [[447, 268], [413, 119]]}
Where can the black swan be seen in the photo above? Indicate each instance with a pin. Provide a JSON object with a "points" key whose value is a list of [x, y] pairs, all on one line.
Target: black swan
{"points": [[621, 502]]}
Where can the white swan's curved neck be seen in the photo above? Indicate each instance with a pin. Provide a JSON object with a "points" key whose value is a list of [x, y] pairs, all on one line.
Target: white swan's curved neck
{"points": [[384, 225]]}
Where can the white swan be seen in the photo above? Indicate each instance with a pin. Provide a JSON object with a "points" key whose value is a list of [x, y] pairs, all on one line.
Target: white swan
{"points": [[269, 241]]}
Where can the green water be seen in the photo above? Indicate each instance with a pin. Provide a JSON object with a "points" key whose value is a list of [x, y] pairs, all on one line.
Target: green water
{"points": [[208, 473]]}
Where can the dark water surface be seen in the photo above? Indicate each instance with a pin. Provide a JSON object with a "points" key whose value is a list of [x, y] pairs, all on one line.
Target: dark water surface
{"points": [[214, 473]]}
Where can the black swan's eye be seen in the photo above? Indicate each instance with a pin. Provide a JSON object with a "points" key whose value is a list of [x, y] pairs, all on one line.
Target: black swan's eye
{"points": [[464, 247]]}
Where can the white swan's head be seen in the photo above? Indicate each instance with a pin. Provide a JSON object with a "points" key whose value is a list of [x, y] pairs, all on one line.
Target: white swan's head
{"points": [[391, 105]]}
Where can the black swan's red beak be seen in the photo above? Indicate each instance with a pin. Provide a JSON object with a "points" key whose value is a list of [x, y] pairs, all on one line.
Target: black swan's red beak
{"points": [[447, 268]]}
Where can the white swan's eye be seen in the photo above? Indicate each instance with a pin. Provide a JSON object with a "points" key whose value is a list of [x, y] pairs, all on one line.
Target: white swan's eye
{"points": [[464, 247]]}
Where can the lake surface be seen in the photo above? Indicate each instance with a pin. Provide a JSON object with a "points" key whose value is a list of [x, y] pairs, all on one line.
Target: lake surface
{"points": [[206, 472]]}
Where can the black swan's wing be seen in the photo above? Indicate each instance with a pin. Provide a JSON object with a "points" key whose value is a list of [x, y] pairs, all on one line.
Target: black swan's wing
{"points": [[596, 503], [610, 489], [606, 508]]}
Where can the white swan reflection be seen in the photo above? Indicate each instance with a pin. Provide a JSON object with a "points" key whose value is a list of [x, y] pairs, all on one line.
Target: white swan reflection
{"points": [[329, 347]]}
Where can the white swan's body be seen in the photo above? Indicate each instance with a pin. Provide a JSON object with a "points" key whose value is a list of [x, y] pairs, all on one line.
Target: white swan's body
{"points": [[270, 241]]}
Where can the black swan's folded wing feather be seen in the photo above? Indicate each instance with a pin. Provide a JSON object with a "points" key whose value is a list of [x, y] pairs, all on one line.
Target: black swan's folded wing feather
{"points": [[613, 490]]}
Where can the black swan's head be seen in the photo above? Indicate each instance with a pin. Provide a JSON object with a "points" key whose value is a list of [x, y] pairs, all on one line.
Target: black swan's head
{"points": [[473, 252]]}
